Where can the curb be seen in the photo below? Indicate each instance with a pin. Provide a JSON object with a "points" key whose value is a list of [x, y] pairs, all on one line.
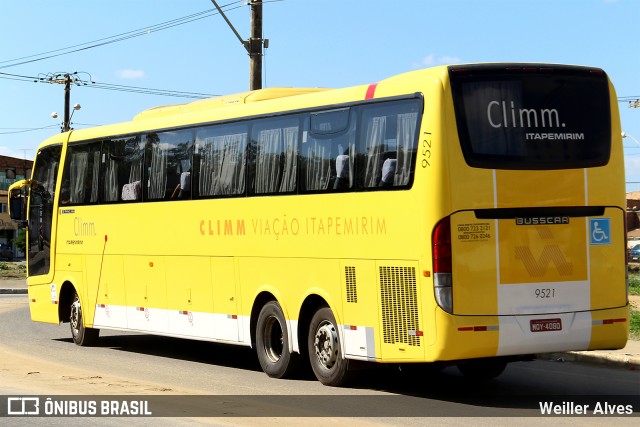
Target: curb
{"points": [[12, 291], [621, 360]]}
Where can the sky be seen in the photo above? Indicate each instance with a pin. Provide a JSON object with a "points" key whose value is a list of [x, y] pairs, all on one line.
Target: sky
{"points": [[312, 43]]}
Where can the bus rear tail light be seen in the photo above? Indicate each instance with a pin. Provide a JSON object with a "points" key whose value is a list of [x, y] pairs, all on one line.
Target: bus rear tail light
{"points": [[442, 265]]}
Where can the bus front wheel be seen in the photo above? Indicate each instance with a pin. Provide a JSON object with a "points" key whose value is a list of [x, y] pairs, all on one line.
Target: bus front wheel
{"points": [[81, 336], [325, 353], [272, 342]]}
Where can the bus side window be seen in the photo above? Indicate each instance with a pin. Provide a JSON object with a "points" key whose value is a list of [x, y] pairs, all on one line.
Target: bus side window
{"points": [[274, 159], [327, 151], [80, 176], [221, 155], [168, 165], [387, 144], [122, 169]]}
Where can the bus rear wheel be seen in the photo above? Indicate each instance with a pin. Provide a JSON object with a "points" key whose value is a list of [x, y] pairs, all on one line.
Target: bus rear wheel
{"points": [[81, 336], [272, 342], [325, 350]]}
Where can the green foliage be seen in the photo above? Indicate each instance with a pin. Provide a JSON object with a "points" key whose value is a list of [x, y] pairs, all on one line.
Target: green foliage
{"points": [[634, 325], [21, 240], [634, 285], [4, 266]]}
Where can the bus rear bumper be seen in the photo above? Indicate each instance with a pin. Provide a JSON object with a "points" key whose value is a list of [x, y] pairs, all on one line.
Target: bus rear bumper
{"points": [[466, 337]]}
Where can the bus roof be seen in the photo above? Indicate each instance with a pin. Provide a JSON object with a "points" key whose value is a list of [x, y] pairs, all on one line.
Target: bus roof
{"points": [[226, 107], [223, 101]]}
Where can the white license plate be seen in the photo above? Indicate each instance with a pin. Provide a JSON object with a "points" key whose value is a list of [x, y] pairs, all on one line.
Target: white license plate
{"points": [[545, 325]]}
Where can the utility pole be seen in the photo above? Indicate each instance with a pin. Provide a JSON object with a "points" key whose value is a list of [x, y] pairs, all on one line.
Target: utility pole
{"points": [[255, 46], [255, 43], [66, 124], [65, 79]]}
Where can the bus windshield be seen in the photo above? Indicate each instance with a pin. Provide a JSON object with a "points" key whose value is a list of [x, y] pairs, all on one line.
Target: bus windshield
{"points": [[532, 117]]}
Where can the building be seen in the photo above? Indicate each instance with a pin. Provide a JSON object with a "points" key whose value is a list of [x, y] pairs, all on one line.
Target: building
{"points": [[11, 170]]}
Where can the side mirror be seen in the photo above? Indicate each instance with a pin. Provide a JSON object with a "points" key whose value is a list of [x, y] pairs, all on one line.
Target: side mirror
{"points": [[18, 206]]}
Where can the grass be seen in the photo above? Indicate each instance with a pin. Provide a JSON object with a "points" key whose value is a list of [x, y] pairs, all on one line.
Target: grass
{"points": [[634, 289], [12, 270], [634, 284], [634, 325]]}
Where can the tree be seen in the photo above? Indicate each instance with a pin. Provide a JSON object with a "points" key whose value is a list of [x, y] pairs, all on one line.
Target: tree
{"points": [[21, 241]]}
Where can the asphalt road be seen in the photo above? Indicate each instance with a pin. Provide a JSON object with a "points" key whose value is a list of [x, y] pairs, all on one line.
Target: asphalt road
{"points": [[233, 384]]}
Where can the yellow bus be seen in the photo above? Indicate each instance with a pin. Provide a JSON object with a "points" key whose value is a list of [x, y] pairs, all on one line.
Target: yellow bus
{"points": [[468, 215]]}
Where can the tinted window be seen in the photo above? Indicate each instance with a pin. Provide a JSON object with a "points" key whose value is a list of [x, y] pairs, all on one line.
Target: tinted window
{"points": [[220, 156], [538, 118], [43, 189], [363, 147], [274, 155], [330, 122], [327, 151], [168, 165], [387, 144], [80, 183], [121, 169]]}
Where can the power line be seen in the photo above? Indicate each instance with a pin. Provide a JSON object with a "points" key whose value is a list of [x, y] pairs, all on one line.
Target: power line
{"points": [[11, 131], [150, 91], [633, 101], [51, 77], [117, 38], [17, 77], [23, 130], [98, 40]]}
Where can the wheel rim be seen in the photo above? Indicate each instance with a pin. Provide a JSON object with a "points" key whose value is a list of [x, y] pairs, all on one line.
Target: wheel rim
{"points": [[326, 344], [76, 316], [273, 339]]}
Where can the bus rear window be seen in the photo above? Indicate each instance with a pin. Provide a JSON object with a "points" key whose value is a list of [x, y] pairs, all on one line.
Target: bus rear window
{"points": [[532, 117]]}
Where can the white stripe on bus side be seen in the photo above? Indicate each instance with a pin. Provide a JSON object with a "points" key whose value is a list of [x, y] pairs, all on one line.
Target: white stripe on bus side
{"points": [[176, 323]]}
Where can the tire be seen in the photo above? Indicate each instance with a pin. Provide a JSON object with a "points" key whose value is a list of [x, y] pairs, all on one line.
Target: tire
{"points": [[81, 336], [482, 369], [272, 343], [325, 350]]}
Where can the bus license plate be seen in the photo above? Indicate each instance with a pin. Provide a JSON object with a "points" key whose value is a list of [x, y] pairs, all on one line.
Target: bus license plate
{"points": [[545, 325]]}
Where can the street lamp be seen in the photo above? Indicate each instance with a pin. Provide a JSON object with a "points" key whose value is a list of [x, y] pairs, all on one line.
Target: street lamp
{"points": [[66, 124], [67, 79]]}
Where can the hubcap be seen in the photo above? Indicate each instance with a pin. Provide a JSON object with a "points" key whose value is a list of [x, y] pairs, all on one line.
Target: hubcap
{"points": [[76, 316], [326, 344], [273, 339]]}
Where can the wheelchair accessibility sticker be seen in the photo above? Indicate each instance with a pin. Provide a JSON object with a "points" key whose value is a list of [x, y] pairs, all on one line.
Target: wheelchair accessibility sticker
{"points": [[600, 229]]}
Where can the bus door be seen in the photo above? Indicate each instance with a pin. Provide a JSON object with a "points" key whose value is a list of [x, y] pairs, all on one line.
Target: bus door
{"points": [[42, 193]]}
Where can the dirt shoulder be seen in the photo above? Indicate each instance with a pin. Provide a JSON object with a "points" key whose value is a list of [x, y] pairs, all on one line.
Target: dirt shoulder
{"points": [[29, 374]]}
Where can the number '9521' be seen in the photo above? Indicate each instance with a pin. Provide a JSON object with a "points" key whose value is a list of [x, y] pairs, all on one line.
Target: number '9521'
{"points": [[545, 293]]}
